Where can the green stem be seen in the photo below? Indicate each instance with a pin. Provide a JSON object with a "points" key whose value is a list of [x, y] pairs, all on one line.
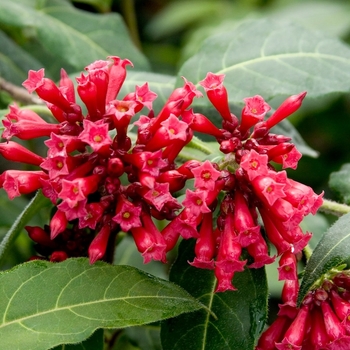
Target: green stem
{"points": [[307, 252], [128, 7], [334, 208], [196, 143]]}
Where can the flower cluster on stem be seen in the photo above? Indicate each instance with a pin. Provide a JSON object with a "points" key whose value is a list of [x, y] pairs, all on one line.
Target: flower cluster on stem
{"points": [[320, 323], [101, 182]]}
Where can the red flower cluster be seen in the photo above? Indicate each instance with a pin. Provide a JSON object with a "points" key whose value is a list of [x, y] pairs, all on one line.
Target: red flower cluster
{"points": [[321, 323], [101, 182]]}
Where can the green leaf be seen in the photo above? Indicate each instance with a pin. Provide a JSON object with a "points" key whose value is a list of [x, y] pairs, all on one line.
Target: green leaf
{"points": [[95, 342], [45, 304], [329, 16], [161, 84], [240, 314], [339, 182], [29, 211], [71, 35], [272, 59], [14, 61], [331, 251]]}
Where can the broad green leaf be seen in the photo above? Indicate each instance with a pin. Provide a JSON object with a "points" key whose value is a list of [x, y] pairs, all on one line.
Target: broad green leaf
{"points": [[95, 342], [161, 84], [339, 182], [71, 35], [331, 251], [272, 58], [14, 61], [240, 314], [29, 211], [329, 16], [45, 304]]}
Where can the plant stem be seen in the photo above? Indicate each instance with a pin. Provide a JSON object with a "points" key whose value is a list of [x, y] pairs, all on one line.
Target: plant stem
{"points": [[128, 7], [196, 143], [18, 93], [334, 208]]}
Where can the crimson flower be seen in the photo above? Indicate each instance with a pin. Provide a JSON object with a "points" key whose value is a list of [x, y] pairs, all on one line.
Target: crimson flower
{"points": [[103, 180]]}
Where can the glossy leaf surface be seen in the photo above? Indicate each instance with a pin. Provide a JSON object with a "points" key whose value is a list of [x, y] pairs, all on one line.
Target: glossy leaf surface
{"points": [[331, 251], [240, 314], [44, 304], [72, 36], [272, 58]]}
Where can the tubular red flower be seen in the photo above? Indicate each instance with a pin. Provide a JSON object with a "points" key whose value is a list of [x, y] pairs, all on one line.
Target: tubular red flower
{"points": [[58, 224], [177, 102], [17, 182], [205, 245], [228, 258], [175, 179], [287, 267], [46, 89], [288, 107], [200, 123], [217, 93], [143, 95], [99, 76], [117, 74], [334, 328], [67, 86], [38, 235], [27, 130], [258, 250], [294, 336], [87, 91], [273, 334], [253, 112], [98, 246], [17, 153]]}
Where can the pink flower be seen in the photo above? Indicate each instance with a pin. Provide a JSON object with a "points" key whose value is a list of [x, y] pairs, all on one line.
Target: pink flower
{"points": [[205, 176], [18, 182], [253, 112], [196, 201], [287, 267], [217, 93], [127, 214], [98, 246], [205, 245], [96, 135]]}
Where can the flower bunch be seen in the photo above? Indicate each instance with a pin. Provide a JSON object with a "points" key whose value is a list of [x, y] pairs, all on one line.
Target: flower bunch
{"points": [[101, 182], [321, 322]]}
